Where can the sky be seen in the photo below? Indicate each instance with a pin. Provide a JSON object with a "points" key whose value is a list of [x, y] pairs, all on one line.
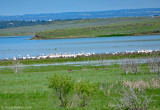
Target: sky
{"points": [[21, 7]]}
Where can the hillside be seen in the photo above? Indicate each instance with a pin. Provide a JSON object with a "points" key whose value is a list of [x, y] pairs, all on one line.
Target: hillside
{"points": [[121, 28], [32, 30], [144, 12]]}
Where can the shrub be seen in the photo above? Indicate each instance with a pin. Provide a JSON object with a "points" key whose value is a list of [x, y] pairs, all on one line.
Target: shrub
{"points": [[130, 65], [69, 93], [125, 66], [17, 67], [62, 86], [109, 89], [154, 65], [132, 100], [85, 90]]}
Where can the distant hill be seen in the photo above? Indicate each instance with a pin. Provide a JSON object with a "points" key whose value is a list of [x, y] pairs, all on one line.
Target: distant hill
{"points": [[145, 12], [137, 27], [65, 24]]}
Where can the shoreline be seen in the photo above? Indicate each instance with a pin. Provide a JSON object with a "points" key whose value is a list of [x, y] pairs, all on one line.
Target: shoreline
{"points": [[114, 35], [94, 57], [140, 34]]}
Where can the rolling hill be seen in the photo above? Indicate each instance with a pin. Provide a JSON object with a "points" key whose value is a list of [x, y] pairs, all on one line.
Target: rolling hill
{"points": [[65, 24], [125, 26]]}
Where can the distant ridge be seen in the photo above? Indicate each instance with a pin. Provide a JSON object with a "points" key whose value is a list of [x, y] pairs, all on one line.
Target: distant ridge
{"points": [[144, 12]]}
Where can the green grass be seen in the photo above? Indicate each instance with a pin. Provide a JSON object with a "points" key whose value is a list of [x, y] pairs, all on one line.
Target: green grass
{"points": [[31, 30], [29, 89], [114, 35], [116, 29]]}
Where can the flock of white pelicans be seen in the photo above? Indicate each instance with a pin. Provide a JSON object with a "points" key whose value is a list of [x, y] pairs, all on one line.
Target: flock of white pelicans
{"points": [[68, 55]]}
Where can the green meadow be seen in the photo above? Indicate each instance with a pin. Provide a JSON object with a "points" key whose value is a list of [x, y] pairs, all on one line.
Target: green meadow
{"points": [[29, 90]]}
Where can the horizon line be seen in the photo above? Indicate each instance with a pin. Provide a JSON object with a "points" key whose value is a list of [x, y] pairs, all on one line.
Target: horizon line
{"points": [[76, 11]]}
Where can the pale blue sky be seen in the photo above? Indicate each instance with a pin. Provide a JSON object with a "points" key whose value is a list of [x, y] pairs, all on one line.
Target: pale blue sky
{"points": [[20, 7]]}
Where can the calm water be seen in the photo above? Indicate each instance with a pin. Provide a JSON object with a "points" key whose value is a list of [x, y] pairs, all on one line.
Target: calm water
{"points": [[21, 45]]}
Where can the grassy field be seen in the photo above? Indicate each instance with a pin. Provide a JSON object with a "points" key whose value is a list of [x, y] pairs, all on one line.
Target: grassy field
{"points": [[29, 88], [117, 29], [32, 30]]}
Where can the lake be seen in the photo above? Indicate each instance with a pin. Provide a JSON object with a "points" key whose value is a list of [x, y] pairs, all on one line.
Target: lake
{"points": [[21, 45]]}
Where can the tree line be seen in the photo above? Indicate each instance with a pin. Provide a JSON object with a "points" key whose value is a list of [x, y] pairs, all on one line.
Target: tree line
{"points": [[16, 23]]}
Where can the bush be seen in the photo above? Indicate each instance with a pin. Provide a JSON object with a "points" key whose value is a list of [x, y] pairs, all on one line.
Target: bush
{"points": [[69, 93], [109, 89], [154, 65], [17, 67], [85, 90], [132, 100], [130, 65], [62, 86]]}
